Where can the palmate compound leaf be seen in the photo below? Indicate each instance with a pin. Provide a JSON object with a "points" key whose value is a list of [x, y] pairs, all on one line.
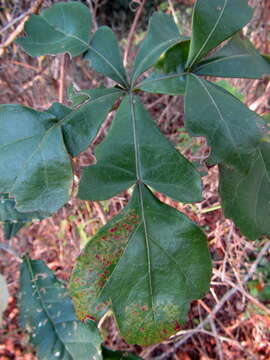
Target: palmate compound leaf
{"points": [[168, 77], [214, 22], [245, 194], [238, 58], [232, 130], [65, 27], [133, 150], [147, 264], [34, 157], [4, 294], [34, 164], [162, 34], [47, 313], [12, 219]]}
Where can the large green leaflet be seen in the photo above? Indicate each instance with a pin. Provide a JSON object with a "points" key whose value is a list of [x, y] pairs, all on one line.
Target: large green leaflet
{"points": [[48, 315], [104, 55], [245, 195], [162, 34], [65, 27], [34, 164], [147, 264], [136, 150], [214, 22], [232, 130], [238, 58], [80, 126]]}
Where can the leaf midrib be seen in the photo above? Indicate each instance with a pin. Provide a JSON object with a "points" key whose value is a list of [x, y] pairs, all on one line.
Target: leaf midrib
{"points": [[88, 47], [43, 304], [209, 35]]}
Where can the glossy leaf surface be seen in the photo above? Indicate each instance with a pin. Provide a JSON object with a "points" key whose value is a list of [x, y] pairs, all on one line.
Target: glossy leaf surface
{"points": [[34, 163], [232, 130], [237, 59], [148, 264], [65, 27], [245, 195], [4, 294], [47, 314], [104, 55], [136, 150], [162, 34], [174, 59], [80, 126], [214, 22]]}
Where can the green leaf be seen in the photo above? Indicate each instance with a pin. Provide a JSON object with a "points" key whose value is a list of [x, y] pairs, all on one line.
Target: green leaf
{"points": [[174, 59], [214, 22], [65, 27], [4, 294], [80, 126], [48, 315], [231, 89], [109, 354], [232, 130], [162, 34], [159, 83], [133, 151], [104, 55], [245, 195], [237, 59], [34, 163], [14, 220], [147, 264]]}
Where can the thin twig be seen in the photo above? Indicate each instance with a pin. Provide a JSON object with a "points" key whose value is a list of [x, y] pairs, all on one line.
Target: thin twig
{"points": [[173, 12], [62, 79], [222, 301], [11, 251], [34, 8], [132, 30]]}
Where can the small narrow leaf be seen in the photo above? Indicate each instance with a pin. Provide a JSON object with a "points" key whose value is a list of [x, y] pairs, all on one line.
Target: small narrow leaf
{"points": [[104, 55], [149, 301], [160, 83], [245, 195], [135, 150], [231, 89], [65, 27], [214, 22], [34, 163], [162, 34], [237, 59], [80, 126], [109, 354], [4, 294], [11, 229], [47, 314], [14, 220], [232, 130]]}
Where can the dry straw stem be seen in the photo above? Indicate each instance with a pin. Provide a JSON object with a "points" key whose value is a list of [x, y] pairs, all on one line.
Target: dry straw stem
{"points": [[34, 8]]}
